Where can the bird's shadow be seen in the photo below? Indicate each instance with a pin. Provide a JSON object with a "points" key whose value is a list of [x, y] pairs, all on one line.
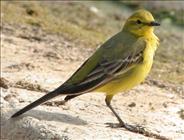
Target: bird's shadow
{"points": [[53, 116]]}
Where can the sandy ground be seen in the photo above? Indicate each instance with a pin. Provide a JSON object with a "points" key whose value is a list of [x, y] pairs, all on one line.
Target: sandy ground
{"points": [[34, 62]]}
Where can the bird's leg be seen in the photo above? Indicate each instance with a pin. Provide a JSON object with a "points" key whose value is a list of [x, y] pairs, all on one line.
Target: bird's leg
{"points": [[132, 128], [108, 103], [137, 129]]}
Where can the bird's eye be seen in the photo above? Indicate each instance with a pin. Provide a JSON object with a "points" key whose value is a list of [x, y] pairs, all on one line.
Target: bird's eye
{"points": [[139, 22]]}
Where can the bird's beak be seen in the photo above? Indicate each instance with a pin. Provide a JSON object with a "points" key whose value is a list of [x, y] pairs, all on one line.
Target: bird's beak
{"points": [[153, 23]]}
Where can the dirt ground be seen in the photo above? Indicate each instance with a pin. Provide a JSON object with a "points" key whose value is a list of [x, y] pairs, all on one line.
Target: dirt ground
{"points": [[34, 62]]}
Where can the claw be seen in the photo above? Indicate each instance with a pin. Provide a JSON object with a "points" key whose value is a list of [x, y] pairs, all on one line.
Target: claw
{"points": [[136, 129], [132, 128]]}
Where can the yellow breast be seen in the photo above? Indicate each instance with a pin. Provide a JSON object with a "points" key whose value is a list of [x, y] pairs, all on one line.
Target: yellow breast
{"points": [[134, 76]]}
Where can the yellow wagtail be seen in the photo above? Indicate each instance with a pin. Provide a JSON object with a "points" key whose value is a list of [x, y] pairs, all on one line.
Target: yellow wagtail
{"points": [[119, 64]]}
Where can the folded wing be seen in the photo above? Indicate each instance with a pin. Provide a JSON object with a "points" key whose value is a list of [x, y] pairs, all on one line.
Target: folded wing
{"points": [[104, 69]]}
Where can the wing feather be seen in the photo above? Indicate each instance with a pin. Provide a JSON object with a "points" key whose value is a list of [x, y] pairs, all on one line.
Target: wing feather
{"points": [[107, 69]]}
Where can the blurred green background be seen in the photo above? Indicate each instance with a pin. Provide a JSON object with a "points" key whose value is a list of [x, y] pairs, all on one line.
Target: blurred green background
{"points": [[93, 22]]}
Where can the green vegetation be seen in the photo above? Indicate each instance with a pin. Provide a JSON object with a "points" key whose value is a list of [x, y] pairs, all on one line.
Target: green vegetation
{"points": [[62, 19]]}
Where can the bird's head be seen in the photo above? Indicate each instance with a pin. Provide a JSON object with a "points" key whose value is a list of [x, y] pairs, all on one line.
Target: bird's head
{"points": [[141, 23]]}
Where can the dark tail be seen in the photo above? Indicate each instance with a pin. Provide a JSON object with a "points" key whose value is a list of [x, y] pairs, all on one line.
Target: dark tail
{"points": [[41, 100]]}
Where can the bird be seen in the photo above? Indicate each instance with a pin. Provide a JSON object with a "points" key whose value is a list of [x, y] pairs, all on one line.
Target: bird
{"points": [[118, 65]]}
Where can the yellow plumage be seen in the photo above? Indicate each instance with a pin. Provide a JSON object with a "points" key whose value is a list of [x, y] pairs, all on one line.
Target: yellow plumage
{"points": [[138, 73]]}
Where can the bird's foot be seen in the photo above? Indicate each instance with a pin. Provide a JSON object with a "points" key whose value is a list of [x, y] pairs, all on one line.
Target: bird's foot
{"points": [[132, 128], [136, 129]]}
